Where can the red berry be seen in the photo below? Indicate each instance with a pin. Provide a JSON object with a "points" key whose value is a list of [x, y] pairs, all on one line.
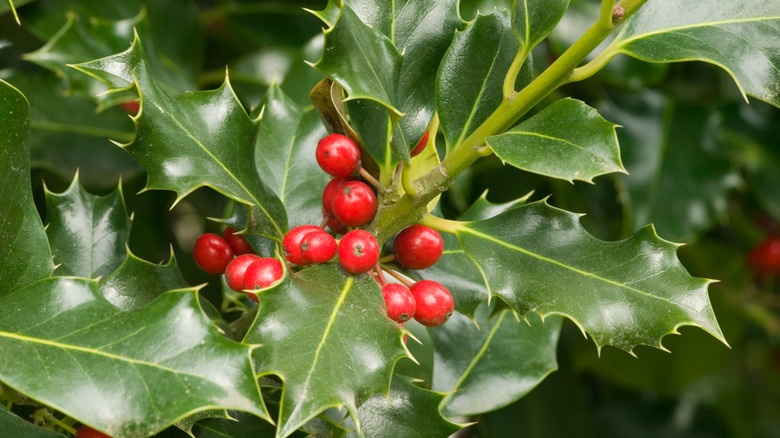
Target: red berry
{"points": [[318, 246], [334, 223], [355, 204], [88, 432], [421, 145], [132, 107], [234, 273], [399, 301], [291, 244], [236, 241], [434, 303], [765, 258], [327, 195], [418, 247], [337, 155], [262, 273], [212, 253], [358, 251]]}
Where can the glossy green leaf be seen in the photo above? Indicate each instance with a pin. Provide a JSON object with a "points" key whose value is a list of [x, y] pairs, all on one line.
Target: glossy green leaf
{"points": [[193, 140], [624, 293], [483, 369], [533, 20], [677, 179], [327, 335], [137, 282], [25, 255], [409, 411], [741, 37], [16, 427], [285, 157], [567, 140], [242, 425], [126, 373], [87, 233]]}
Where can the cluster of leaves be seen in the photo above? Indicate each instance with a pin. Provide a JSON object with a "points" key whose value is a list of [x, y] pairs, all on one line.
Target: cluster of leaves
{"points": [[92, 333]]}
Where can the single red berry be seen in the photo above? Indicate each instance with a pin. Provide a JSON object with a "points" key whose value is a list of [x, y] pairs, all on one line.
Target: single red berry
{"points": [[418, 247], [291, 244], [318, 246], [212, 253], [434, 303], [355, 204], [262, 273], [88, 432], [334, 223], [236, 241], [358, 251], [132, 107], [399, 301], [234, 273], [421, 145], [765, 257], [327, 195], [337, 155]]}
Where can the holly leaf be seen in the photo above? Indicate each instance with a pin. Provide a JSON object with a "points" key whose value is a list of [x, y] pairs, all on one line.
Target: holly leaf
{"points": [[533, 20], [87, 233], [335, 318], [408, 411], [284, 156], [740, 37], [15, 426], [486, 368], [25, 255], [137, 282], [567, 140], [624, 293], [193, 140], [243, 425], [125, 373]]}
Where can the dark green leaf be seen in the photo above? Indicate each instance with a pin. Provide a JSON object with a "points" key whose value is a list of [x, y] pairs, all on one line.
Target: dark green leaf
{"points": [[137, 282], [24, 251], [625, 293], [741, 37], [127, 373], [327, 335], [486, 368], [16, 427], [193, 140], [244, 425], [567, 140], [188, 424], [533, 20], [87, 233]]}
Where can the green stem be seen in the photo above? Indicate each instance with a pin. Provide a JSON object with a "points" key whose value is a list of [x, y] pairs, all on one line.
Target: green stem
{"points": [[440, 224], [57, 421], [514, 70]]}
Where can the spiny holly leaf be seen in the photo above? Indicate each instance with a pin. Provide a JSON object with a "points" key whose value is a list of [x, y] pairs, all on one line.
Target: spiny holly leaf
{"points": [[192, 140], [285, 157], [24, 251], [483, 369], [741, 37], [567, 140], [243, 425], [409, 411], [137, 282], [533, 20], [125, 373], [14, 426], [87, 233], [187, 424], [327, 335], [625, 293]]}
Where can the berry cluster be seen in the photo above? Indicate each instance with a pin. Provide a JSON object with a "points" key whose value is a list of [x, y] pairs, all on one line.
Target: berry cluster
{"points": [[247, 271]]}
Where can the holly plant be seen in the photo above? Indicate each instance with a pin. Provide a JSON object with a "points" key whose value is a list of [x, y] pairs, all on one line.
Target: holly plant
{"points": [[282, 237]]}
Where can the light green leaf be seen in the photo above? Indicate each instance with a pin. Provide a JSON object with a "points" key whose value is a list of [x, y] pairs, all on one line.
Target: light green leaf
{"points": [[486, 368], [14, 426], [126, 373], [25, 255], [137, 282], [533, 20], [625, 293], [567, 140], [328, 337], [193, 140], [741, 37]]}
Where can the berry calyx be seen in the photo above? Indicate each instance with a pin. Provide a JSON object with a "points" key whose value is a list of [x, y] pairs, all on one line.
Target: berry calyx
{"points": [[318, 246], [236, 241], [765, 258], [434, 303], [358, 251], [418, 247], [354, 205], [262, 273], [212, 253], [234, 273], [88, 432], [421, 145], [291, 244], [399, 301], [338, 156], [327, 194]]}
